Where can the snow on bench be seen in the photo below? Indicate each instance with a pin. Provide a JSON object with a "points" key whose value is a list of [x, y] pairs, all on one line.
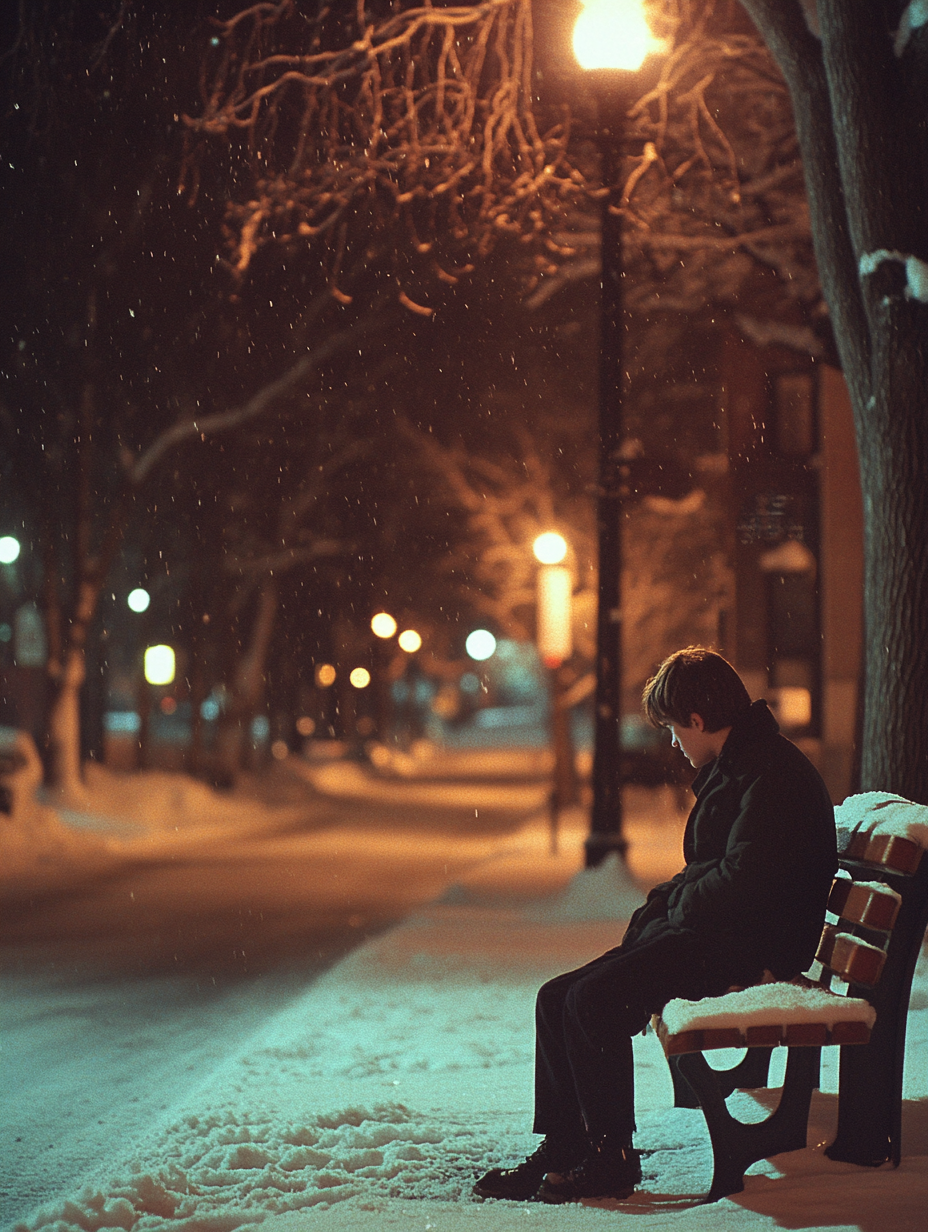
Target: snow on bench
{"points": [[765, 1015], [883, 829], [874, 828]]}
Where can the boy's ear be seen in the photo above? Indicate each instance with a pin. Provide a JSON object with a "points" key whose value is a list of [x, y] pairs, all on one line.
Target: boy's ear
{"points": [[697, 722]]}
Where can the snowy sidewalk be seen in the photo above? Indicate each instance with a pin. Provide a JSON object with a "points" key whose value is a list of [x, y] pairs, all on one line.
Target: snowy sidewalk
{"points": [[373, 1101]]}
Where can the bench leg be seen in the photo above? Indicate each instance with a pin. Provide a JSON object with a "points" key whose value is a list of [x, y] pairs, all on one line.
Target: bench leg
{"points": [[750, 1072], [869, 1104], [736, 1145]]}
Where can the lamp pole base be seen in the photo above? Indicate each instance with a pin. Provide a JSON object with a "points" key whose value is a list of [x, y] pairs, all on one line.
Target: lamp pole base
{"points": [[598, 845]]}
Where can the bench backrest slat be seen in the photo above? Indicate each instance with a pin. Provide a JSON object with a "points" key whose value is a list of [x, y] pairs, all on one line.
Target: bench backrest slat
{"points": [[892, 851], [850, 958], [865, 903]]}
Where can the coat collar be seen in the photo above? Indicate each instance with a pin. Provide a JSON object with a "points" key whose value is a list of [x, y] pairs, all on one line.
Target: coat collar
{"points": [[756, 723]]}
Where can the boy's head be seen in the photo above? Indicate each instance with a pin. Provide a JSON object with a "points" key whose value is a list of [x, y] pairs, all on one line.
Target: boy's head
{"points": [[695, 681]]}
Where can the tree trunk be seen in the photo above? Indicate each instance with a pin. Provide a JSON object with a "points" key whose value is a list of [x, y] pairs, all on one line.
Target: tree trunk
{"points": [[859, 109], [235, 724], [67, 667], [894, 467], [64, 727]]}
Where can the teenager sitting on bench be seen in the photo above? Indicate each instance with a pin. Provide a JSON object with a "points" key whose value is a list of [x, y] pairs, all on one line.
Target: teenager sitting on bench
{"points": [[760, 856]]}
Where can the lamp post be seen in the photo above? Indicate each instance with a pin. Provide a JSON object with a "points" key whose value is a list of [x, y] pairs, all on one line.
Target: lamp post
{"points": [[553, 616], [384, 627], [611, 41]]}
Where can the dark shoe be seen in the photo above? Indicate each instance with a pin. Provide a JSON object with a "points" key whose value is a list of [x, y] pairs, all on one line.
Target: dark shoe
{"points": [[521, 1183], [607, 1172]]}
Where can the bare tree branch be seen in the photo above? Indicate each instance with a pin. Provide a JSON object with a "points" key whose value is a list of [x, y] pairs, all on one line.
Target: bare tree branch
{"points": [[222, 421]]}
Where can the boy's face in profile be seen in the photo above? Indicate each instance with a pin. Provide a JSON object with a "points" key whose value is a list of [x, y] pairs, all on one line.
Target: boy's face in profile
{"points": [[697, 745]]}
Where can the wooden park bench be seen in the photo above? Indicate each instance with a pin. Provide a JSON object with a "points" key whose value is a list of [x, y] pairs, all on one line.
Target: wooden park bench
{"points": [[856, 995]]}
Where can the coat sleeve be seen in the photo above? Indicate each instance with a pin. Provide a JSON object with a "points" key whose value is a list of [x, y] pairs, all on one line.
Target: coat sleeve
{"points": [[761, 871], [654, 907]]}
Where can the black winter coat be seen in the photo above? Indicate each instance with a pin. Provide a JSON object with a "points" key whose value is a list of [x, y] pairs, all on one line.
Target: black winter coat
{"points": [[760, 854]]}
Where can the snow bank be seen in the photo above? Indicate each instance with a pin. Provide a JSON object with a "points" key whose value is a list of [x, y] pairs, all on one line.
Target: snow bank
{"points": [[49, 839], [35, 846]]}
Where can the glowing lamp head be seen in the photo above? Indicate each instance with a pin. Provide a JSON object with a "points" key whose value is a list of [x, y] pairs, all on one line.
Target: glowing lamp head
{"points": [[550, 548], [410, 641], [612, 34], [383, 625], [159, 665]]}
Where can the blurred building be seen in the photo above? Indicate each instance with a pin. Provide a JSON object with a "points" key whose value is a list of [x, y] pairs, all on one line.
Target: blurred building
{"points": [[795, 628]]}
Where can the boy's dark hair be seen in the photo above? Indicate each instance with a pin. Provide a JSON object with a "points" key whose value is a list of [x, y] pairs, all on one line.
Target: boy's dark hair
{"points": [[695, 681]]}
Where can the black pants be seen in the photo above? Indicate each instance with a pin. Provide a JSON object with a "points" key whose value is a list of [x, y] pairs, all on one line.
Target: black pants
{"points": [[585, 1020]]}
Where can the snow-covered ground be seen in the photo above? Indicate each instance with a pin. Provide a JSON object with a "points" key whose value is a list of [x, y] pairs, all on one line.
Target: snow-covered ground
{"points": [[373, 1099]]}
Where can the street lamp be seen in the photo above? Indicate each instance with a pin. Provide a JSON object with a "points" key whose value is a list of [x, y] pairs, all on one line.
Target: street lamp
{"points": [[480, 645], [138, 600], [553, 619], [410, 641], [611, 41], [383, 625], [159, 665], [384, 628]]}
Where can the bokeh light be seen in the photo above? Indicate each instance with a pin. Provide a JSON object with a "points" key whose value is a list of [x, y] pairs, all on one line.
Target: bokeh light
{"points": [[159, 665], [550, 548], [360, 677], [9, 549], [383, 625], [138, 599], [325, 675], [410, 641], [480, 645]]}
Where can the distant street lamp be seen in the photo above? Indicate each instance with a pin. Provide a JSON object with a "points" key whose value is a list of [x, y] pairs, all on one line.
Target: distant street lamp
{"points": [[383, 625], [480, 645], [159, 665], [410, 641], [138, 600], [553, 633], [9, 549], [325, 675], [611, 41]]}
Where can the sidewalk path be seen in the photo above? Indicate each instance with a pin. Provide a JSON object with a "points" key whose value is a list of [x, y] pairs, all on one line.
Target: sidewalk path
{"points": [[372, 1101]]}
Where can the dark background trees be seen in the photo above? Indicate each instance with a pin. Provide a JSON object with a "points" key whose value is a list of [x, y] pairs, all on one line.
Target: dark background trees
{"points": [[856, 80], [179, 363]]}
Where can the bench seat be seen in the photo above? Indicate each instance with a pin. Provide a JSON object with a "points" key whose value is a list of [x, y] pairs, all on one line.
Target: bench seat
{"points": [[766, 1016]]}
